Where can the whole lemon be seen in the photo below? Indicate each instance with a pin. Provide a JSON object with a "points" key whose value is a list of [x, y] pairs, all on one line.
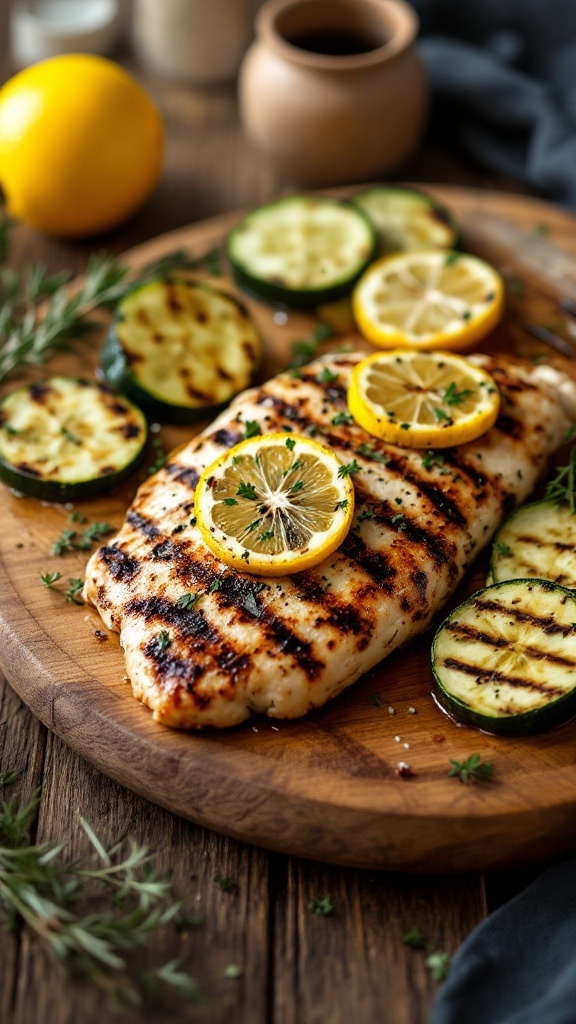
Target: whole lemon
{"points": [[81, 145]]}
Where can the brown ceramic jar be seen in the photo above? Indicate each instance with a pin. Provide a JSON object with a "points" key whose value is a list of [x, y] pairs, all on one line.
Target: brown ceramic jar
{"points": [[333, 91]]}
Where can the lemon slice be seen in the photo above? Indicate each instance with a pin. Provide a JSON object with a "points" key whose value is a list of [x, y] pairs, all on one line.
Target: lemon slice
{"points": [[428, 300], [274, 504], [422, 399]]}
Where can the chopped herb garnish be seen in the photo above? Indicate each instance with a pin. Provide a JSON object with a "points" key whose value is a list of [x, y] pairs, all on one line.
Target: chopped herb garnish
{"points": [[164, 640], [321, 905], [247, 491], [226, 883], [251, 429], [440, 414], [349, 469], [268, 535], [438, 964], [326, 376], [454, 397], [473, 769], [297, 486], [405, 426], [49, 578], [414, 938], [253, 526], [229, 501], [215, 585], [433, 459], [96, 531], [368, 452], [502, 549], [341, 505], [188, 601], [74, 588], [64, 543], [233, 971], [305, 350], [342, 419], [399, 521], [290, 444], [366, 513]]}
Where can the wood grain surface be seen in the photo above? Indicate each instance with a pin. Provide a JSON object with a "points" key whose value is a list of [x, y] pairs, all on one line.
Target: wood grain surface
{"points": [[325, 787]]}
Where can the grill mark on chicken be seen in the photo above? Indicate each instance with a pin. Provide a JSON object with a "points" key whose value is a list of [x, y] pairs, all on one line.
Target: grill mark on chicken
{"points": [[376, 565], [437, 544], [453, 458], [510, 426], [227, 438], [184, 474], [145, 526], [119, 564]]}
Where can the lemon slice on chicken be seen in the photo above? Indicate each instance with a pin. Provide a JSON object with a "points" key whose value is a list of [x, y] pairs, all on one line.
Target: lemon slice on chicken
{"points": [[274, 504], [422, 399], [428, 300]]}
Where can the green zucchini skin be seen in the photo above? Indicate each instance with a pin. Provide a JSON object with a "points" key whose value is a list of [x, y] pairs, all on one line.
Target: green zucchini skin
{"points": [[265, 250], [181, 350], [537, 541], [482, 682], [65, 439], [407, 219]]}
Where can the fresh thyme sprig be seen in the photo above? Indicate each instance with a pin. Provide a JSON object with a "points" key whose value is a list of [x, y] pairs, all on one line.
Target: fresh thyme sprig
{"points": [[30, 333], [40, 892], [562, 488]]}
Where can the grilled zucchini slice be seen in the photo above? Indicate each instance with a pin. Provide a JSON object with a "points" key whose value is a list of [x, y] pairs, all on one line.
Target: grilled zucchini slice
{"points": [[407, 219], [180, 349], [301, 251], [537, 541], [63, 439], [505, 660]]}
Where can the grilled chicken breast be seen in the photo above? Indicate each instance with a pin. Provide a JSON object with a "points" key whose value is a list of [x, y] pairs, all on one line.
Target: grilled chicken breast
{"points": [[285, 645]]}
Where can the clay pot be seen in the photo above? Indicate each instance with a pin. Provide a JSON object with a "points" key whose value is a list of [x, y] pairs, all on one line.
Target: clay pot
{"points": [[334, 116]]}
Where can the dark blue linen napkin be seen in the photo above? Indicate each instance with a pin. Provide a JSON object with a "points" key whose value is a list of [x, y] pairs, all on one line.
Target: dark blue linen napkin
{"points": [[503, 78], [519, 965]]}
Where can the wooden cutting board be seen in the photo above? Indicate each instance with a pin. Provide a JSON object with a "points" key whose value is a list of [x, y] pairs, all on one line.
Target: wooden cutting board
{"points": [[325, 787]]}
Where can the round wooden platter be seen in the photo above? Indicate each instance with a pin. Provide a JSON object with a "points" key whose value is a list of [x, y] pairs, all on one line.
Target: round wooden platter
{"points": [[325, 787]]}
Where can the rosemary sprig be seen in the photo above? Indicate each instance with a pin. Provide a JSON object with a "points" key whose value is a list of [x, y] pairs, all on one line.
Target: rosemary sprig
{"points": [[40, 892], [30, 335]]}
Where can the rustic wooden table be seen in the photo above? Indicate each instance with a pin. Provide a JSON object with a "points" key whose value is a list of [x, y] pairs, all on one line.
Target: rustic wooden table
{"points": [[296, 967]]}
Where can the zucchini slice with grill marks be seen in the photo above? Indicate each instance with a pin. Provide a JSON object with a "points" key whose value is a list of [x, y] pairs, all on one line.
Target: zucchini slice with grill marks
{"points": [[537, 541], [406, 219], [301, 251], [180, 349], [505, 660], [63, 439]]}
